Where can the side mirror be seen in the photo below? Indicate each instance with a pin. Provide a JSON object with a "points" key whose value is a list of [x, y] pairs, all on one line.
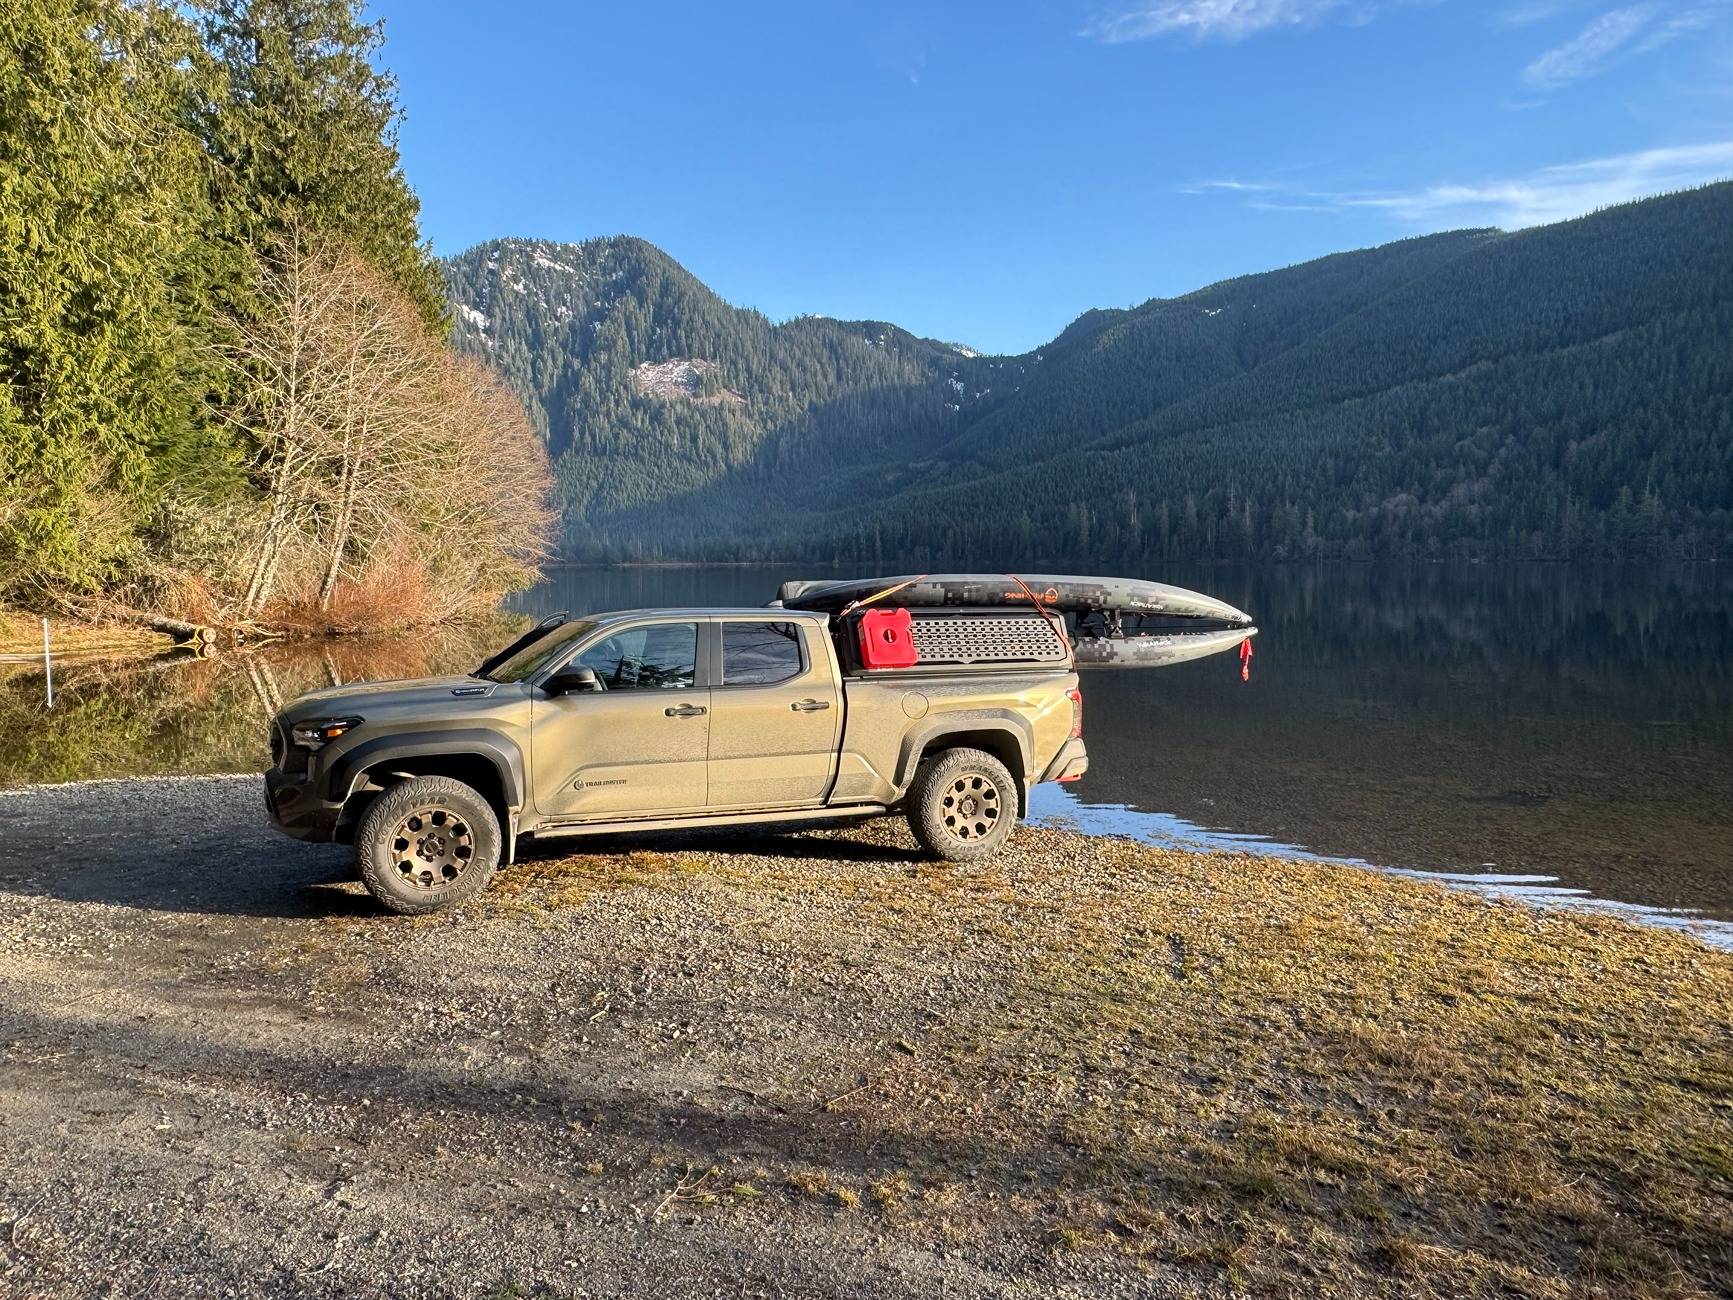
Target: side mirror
{"points": [[573, 681]]}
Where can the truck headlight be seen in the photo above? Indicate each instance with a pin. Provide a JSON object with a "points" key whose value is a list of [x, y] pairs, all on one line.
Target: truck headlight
{"points": [[313, 735]]}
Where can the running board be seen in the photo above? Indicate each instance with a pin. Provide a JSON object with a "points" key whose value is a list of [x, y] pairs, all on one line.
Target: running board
{"points": [[713, 819]]}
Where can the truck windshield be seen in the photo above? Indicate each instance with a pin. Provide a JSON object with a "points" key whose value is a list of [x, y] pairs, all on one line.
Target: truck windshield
{"points": [[540, 652]]}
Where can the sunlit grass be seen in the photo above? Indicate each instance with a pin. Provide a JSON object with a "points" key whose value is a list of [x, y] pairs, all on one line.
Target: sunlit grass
{"points": [[1265, 1068]]}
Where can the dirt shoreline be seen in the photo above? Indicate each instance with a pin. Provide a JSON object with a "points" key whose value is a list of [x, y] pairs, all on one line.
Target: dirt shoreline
{"points": [[814, 1064]]}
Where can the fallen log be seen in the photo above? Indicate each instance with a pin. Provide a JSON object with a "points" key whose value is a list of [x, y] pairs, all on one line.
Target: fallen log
{"points": [[187, 633], [195, 633]]}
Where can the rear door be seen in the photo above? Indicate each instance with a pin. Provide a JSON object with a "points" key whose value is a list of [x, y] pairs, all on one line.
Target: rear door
{"points": [[640, 745], [775, 715]]}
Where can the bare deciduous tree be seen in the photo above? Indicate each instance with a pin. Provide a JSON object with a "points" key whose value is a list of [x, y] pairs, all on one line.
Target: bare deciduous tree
{"points": [[372, 435], [485, 506]]}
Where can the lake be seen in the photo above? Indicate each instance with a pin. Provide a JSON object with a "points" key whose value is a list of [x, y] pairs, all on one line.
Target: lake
{"points": [[1560, 733]]}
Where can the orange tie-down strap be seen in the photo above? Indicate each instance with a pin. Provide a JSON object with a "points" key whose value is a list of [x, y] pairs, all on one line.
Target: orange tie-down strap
{"points": [[877, 595]]}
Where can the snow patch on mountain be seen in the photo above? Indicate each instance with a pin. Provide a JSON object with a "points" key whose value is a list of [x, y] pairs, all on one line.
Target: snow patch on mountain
{"points": [[681, 377]]}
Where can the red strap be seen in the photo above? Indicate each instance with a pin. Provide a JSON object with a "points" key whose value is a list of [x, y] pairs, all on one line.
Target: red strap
{"points": [[1246, 660]]}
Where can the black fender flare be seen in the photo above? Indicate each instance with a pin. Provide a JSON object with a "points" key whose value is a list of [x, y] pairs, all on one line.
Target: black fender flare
{"points": [[973, 721], [501, 751]]}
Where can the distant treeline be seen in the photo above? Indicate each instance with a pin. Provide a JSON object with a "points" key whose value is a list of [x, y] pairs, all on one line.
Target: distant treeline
{"points": [[225, 387], [1561, 393]]}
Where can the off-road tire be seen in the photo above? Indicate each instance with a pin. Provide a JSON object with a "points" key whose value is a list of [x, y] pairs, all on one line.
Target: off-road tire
{"points": [[427, 843], [962, 804]]}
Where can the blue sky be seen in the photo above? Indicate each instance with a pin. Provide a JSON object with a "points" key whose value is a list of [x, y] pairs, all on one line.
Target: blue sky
{"points": [[983, 172]]}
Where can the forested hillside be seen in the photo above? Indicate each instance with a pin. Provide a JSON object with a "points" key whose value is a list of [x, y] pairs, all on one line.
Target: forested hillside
{"points": [[1560, 392], [647, 386], [226, 391]]}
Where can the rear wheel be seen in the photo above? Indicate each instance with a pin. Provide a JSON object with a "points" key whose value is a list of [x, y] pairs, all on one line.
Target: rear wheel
{"points": [[427, 843], [962, 804]]}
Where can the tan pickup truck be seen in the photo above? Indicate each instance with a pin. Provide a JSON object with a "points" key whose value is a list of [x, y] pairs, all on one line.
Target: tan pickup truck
{"points": [[678, 718]]}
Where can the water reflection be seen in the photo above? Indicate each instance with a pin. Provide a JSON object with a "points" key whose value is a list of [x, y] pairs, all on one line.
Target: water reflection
{"points": [[184, 715], [1540, 721]]}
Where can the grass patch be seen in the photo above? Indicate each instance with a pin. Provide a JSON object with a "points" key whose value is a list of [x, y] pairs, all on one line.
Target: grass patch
{"points": [[1324, 1069], [888, 1193], [1518, 1087], [1261, 1069], [542, 885]]}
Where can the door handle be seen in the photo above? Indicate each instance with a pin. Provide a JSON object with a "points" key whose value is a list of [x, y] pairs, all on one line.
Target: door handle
{"points": [[686, 711], [809, 706]]}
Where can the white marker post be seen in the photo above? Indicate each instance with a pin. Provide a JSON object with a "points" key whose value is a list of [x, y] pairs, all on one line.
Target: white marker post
{"points": [[47, 664]]}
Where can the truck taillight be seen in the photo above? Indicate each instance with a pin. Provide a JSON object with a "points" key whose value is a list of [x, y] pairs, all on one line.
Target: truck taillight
{"points": [[1076, 713]]}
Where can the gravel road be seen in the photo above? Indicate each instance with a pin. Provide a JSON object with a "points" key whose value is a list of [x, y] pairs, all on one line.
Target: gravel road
{"points": [[224, 1072]]}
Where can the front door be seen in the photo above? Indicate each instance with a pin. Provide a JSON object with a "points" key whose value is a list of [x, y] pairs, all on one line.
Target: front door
{"points": [[637, 747], [775, 717]]}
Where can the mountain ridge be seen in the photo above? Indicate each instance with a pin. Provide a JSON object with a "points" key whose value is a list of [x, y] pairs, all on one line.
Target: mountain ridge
{"points": [[1443, 395]]}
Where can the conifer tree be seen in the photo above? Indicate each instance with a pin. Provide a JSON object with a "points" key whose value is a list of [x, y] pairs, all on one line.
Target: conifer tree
{"points": [[303, 129], [101, 211]]}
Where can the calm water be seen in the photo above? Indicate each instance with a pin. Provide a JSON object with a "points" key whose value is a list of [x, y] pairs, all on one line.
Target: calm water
{"points": [[1563, 733]]}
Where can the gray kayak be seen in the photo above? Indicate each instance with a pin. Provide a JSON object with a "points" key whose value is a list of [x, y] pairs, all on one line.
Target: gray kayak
{"points": [[1156, 649], [1108, 625], [1066, 595]]}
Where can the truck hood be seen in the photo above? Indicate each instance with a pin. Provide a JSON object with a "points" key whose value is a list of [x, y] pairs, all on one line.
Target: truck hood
{"points": [[335, 701]]}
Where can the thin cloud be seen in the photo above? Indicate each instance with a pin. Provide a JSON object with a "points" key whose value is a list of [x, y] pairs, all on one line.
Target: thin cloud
{"points": [[1536, 11], [1222, 20], [1554, 193], [1587, 52], [1549, 194], [1270, 205], [1690, 20], [1237, 187]]}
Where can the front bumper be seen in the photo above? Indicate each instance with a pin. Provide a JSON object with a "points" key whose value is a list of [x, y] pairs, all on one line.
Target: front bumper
{"points": [[296, 809], [1071, 762]]}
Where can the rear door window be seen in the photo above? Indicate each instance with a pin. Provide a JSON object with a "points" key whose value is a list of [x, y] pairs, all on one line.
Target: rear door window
{"points": [[760, 654], [658, 656]]}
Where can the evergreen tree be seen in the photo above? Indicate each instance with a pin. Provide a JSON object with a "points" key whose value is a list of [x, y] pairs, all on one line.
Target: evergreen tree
{"points": [[101, 215], [302, 128], [154, 156]]}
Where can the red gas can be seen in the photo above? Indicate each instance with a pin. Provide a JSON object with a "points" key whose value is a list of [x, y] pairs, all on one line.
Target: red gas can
{"points": [[886, 640]]}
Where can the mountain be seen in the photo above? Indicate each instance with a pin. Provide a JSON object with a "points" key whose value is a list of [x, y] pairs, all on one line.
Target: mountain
{"points": [[1564, 391], [650, 388]]}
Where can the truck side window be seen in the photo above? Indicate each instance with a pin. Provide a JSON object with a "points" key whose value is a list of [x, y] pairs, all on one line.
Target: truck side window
{"points": [[660, 656], [760, 654]]}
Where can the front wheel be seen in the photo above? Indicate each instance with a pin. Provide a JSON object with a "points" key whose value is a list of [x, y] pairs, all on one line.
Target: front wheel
{"points": [[962, 804], [427, 843]]}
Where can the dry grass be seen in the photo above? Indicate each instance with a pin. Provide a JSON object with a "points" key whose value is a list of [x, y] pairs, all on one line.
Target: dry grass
{"points": [[538, 886], [1275, 1070], [391, 596]]}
